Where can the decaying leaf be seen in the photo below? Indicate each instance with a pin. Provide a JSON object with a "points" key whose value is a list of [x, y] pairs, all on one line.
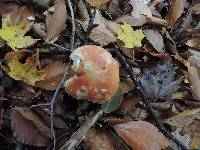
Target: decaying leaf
{"points": [[175, 11], [54, 74], [185, 139], [97, 3], [14, 35], [194, 74], [140, 9], [1, 115], [27, 71], [155, 38], [194, 80], [98, 140], [141, 135], [159, 81], [28, 128], [195, 43], [56, 21], [194, 131], [130, 37], [184, 119]]}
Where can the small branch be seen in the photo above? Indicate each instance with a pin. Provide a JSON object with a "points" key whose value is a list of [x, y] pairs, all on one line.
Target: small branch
{"points": [[79, 135], [141, 93], [73, 23], [53, 106]]}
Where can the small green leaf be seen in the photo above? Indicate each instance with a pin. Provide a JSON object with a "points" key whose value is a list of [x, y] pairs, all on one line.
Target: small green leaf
{"points": [[114, 102]]}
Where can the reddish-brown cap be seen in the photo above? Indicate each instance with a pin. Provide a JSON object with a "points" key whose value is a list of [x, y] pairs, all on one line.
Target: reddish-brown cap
{"points": [[96, 74]]}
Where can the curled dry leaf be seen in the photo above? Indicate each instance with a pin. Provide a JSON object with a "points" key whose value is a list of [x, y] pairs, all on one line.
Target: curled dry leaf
{"points": [[155, 38], [184, 119], [56, 21], [175, 11], [54, 74], [141, 135], [98, 140], [28, 128], [94, 66]]}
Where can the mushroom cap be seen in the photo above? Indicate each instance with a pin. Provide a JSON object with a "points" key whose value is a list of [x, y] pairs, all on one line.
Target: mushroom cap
{"points": [[96, 74]]}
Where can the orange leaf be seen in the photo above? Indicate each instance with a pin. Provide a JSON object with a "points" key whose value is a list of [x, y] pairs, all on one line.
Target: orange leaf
{"points": [[141, 135]]}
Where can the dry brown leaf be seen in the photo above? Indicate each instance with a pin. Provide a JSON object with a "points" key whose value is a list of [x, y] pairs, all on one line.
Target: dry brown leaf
{"points": [[184, 119], [141, 135], [140, 9], [195, 43], [196, 8], [194, 131], [28, 128], [56, 21], [98, 140], [126, 85], [97, 3], [54, 74], [175, 11], [155, 38], [194, 80]]}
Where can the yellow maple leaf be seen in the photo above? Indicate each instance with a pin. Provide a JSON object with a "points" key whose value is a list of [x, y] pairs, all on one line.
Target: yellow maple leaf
{"points": [[14, 35], [27, 71], [130, 37]]}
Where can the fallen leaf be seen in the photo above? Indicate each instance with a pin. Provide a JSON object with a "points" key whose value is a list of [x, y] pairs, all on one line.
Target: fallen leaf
{"points": [[196, 8], [97, 3], [194, 43], [130, 37], [175, 11], [194, 80], [14, 35], [98, 140], [193, 131], [159, 81], [141, 135], [155, 38], [185, 139], [184, 119], [140, 9], [126, 85], [54, 74], [28, 128], [27, 71], [56, 21]]}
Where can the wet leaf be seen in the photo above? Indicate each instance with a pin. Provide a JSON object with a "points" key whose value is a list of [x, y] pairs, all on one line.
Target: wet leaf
{"points": [[184, 119], [54, 74], [141, 135], [175, 11], [56, 21], [27, 71], [130, 37], [14, 35], [113, 103], [155, 38], [28, 128], [159, 81], [98, 140]]}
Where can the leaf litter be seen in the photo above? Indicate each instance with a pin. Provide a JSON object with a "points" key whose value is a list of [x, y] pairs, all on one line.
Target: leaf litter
{"points": [[158, 39]]}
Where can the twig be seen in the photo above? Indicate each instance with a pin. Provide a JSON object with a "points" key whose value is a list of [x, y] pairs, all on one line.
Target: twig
{"points": [[73, 23], [53, 106], [141, 93], [38, 105], [79, 135]]}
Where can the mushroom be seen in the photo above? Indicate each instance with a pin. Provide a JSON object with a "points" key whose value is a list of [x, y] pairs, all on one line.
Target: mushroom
{"points": [[96, 74]]}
